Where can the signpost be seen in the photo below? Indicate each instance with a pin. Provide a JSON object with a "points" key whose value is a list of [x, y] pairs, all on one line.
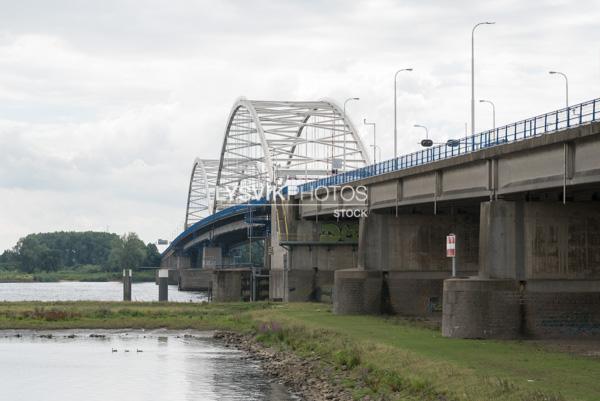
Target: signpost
{"points": [[451, 251]]}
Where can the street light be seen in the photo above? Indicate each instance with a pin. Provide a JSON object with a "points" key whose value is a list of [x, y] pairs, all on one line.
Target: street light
{"points": [[374, 139], [377, 147], [395, 111], [425, 142], [345, 101], [473, 74], [493, 111], [566, 84]]}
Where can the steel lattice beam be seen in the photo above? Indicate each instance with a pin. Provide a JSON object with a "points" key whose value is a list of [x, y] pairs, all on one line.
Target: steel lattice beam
{"points": [[270, 143], [201, 192]]}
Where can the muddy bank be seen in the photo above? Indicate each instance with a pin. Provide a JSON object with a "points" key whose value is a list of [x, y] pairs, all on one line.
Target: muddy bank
{"points": [[311, 378]]}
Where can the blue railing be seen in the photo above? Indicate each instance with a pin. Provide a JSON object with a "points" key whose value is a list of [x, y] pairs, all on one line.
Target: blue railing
{"points": [[544, 124]]}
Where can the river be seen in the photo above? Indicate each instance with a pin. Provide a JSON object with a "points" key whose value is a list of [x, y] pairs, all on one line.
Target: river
{"points": [[96, 291], [130, 365]]}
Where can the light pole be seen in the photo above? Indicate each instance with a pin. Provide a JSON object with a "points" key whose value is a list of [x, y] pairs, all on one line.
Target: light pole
{"points": [[425, 128], [473, 74], [395, 110], [345, 101], [493, 111], [376, 147], [374, 139], [566, 84]]}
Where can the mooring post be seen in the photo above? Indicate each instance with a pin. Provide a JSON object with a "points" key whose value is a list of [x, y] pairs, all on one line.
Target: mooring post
{"points": [[163, 285], [127, 279]]}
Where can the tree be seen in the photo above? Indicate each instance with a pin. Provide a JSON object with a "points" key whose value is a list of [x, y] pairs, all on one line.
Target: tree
{"points": [[128, 253], [57, 250], [152, 255]]}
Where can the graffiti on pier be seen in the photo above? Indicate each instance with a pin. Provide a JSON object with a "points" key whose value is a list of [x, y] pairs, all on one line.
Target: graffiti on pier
{"points": [[339, 232]]}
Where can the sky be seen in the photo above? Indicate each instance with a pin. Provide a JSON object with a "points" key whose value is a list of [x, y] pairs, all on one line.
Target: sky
{"points": [[104, 105]]}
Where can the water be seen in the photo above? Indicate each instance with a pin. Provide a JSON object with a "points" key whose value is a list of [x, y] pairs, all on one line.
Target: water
{"points": [[81, 291], [172, 366]]}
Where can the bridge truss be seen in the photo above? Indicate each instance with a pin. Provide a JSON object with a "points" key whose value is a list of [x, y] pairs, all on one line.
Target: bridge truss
{"points": [[269, 144], [201, 192]]}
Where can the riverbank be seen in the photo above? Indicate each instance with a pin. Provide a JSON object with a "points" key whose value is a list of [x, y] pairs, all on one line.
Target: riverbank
{"points": [[71, 275], [364, 357]]}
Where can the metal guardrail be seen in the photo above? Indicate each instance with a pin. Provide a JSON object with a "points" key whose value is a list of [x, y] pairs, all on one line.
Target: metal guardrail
{"points": [[558, 120]]}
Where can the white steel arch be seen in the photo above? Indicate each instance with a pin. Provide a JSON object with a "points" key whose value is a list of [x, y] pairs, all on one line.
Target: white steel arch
{"points": [[269, 144], [203, 180]]}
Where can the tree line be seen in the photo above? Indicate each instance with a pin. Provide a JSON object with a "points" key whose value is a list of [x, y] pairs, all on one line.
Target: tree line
{"points": [[69, 250]]}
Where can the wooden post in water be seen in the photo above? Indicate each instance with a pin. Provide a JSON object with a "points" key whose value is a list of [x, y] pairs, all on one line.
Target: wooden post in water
{"points": [[127, 279], [163, 285]]}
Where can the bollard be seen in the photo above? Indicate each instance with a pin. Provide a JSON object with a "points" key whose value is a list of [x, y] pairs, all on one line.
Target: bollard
{"points": [[163, 285], [127, 279]]}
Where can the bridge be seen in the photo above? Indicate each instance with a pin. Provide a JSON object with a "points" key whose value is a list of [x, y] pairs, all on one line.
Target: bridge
{"points": [[521, 199]]}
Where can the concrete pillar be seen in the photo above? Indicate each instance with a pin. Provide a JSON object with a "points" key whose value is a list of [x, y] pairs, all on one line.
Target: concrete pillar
{"points": [[127, 280], [163, 285], [211, 257], [501, 240], [539, 277]]}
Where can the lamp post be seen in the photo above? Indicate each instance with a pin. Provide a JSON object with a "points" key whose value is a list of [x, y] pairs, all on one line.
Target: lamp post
{"points": [[376, 147], [566, 85], [345, 125], [473, 74], [493, 111], [425, 128], [374, 139], [395, 110]]}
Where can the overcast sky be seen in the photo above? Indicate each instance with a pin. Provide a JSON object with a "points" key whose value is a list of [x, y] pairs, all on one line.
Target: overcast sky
{"points": [[105, 104]]}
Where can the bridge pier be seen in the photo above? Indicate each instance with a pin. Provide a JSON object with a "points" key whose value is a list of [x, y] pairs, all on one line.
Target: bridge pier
{"points": [[539, 274], [176, 262], [306, 253]]}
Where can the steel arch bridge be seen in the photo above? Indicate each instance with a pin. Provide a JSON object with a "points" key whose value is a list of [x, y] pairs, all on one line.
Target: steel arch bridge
{"points": [[270, 144], [201, 191]]}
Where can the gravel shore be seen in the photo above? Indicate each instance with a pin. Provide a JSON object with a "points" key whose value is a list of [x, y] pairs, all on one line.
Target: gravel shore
{"points": [[310, 378]]}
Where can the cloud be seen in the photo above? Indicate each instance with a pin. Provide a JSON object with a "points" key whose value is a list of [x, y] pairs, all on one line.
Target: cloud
{"points": [[104, 105]]}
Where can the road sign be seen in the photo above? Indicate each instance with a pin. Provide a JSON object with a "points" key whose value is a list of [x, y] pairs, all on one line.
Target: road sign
{"points": [[451, 251], [451, 245]]}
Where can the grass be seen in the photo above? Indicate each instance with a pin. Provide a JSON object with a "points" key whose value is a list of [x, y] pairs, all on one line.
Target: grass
{"points": [[383, 358]]}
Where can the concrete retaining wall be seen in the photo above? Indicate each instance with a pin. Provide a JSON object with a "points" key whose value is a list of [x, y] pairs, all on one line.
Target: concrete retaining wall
{"points": [[310, 285], [195, 279], [228, 285], [480, 308], [484, 308], [414, 294], [357, 292]]}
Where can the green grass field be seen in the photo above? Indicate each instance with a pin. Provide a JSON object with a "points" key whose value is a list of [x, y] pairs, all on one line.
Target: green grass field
{"points": [[385, 358]]}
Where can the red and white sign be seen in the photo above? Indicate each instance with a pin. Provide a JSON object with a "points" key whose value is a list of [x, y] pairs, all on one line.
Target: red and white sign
{"points": [[451, 245]]}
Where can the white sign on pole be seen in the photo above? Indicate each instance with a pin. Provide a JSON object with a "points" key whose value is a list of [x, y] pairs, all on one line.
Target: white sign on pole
{"points": [[451, 245]]}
